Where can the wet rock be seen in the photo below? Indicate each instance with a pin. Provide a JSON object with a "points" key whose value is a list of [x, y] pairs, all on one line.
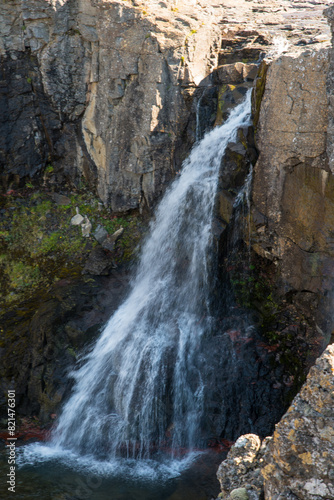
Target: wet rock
{"points": [[98, 263], [40, 346], [226, 201]]}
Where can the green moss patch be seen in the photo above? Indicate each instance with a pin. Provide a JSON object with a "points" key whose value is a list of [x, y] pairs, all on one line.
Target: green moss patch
{"points": [[39, 246]]}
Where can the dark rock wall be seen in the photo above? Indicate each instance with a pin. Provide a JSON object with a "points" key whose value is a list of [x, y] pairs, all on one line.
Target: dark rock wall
{"points": [[41, 342]]}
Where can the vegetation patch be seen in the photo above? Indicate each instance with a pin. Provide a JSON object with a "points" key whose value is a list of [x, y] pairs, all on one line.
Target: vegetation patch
{"points": [[284, 329], [39, 246]]}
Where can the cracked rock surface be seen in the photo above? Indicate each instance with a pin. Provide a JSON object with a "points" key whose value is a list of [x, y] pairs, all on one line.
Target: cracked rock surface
{"points": [[104, 89], [296, 463]]}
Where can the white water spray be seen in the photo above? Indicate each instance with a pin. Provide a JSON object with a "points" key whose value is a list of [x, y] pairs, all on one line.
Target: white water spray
{"points": [[142, 383]]}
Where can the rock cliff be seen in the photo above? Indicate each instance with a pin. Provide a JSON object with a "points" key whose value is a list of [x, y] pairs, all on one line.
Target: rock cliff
{"points": [[292, 211], [104, 90], [101, 90], [297, 461], [292, 202]]}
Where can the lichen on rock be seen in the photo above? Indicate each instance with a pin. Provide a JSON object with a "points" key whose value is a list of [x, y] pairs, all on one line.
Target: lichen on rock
{"points": [[239, 475], [297, 461]]}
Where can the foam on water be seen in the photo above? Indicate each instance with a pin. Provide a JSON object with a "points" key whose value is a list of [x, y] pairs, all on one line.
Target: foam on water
{"points": [[145, 469]]}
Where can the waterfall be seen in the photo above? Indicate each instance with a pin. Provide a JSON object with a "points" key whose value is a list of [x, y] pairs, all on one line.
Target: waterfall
{"points": [[244, 196], [199, 132], [141, 386]]}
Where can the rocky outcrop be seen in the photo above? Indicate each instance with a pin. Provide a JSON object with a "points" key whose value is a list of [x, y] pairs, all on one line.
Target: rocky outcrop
{"points": [[100, 90], [41, 343], [240, 474], [277, 251], [296, 463], [104, 90], [292, 210], [292, 181]]}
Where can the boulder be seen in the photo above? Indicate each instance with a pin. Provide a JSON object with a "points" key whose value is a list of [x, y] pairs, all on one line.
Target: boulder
{"points": [[98, 263], [60, 199], [239, 475], [109, 242], [77, 219]]}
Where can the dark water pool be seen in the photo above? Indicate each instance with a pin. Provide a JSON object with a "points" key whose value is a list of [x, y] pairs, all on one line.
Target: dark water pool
{"points": [[53, 479]]}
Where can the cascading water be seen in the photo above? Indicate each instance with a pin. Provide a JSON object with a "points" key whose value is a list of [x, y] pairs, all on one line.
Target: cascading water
{"points": [[245, 195], [199, 132], [143, 381]]}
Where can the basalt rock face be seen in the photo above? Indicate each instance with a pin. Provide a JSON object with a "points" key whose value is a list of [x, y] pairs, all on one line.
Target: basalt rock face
{"points": [[292, 210], [104, 90], [290, 245], [101, 90], [276, 254]]}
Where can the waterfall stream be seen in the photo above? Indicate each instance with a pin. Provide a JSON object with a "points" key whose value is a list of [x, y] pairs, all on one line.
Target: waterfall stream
{"points": [[141, 386]]}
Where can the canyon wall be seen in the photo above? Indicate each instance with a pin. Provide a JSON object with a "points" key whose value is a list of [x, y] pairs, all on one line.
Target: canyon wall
{"points": [[292, 221], [113, 94], [101, 91], [292, 210]]}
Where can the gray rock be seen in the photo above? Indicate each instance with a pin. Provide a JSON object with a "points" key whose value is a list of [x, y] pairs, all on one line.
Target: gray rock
{"points": [[98, 263], [100, 234], [109, 242], [240, 474], [303, 441], [86, 227], [239, 494], [121, 81]]}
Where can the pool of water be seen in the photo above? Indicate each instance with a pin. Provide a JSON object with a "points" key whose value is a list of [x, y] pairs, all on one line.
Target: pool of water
{"points": [[57, 478]]}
